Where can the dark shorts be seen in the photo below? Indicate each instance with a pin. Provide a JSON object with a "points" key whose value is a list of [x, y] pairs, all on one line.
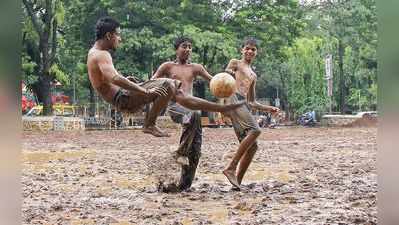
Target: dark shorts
{"points": [[241, 118], [191, 136], [179, 113], [131, 101]]}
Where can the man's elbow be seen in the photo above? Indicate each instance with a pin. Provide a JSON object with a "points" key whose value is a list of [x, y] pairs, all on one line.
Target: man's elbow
{"points": [[155, 76], [180, 96], [115, 79], [252, 104]]}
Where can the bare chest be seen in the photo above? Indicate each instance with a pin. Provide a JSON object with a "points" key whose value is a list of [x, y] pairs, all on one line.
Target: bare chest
{"points": [[244, 78], [182, 73]]}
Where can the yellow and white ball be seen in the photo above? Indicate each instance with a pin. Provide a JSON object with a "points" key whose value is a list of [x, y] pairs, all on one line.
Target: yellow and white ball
{"points": [[223, 85]]}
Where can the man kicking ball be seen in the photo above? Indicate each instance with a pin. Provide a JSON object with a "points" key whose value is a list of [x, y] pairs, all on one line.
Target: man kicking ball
{"points": [[128, 96]]}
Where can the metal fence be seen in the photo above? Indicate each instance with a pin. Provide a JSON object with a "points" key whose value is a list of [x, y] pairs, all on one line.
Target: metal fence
{"points": [[105, 116]]}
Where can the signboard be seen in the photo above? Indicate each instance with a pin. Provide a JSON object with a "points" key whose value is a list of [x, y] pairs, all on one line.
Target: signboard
{"points": [[329, 87], [277, 102], [329, 74]]}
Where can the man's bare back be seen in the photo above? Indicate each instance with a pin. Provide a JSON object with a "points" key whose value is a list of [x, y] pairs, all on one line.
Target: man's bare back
{"points": [[106, 89], [117, 89]]}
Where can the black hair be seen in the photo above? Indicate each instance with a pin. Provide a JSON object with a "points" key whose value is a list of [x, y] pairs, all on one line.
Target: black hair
{"points": [[104, 25], [250, 41], [180, 40]]}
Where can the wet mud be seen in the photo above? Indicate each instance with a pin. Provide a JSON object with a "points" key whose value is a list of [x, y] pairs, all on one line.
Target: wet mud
{"points": [[298, 176]]}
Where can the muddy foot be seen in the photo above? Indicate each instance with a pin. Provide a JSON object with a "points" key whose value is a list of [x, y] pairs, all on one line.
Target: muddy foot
{"points": [[154, 130], [232, 178], [168, 187], [182, 160]]}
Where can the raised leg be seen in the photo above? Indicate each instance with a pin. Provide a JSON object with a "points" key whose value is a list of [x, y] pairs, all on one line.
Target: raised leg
{"points": [[195, 103], [158, 104]]}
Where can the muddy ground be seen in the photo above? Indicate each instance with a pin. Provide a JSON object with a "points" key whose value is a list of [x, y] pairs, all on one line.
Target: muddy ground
{"points": [[298, 176]]}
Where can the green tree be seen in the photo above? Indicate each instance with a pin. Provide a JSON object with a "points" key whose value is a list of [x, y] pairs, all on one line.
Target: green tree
{"points": [[42, 19], [352, 27], [305, 77]]}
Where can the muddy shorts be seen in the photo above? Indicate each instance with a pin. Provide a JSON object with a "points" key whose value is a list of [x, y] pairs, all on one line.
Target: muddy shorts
{"points": [[132, 101], [191, 138], [190, 141], [241, 118]]}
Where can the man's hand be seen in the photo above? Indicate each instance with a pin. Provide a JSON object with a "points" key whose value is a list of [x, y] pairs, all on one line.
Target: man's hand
{"points": [[274, 110], [231, 72], [160, 91], [133, 79], [271, 109]]}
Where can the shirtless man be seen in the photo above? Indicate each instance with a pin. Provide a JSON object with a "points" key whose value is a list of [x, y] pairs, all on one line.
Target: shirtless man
{"points": [[183, 70], [244, 124], [128, 96]]}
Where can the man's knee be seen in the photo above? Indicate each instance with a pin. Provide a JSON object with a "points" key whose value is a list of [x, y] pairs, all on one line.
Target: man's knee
{"points": [[254, 147], [171, 85], [256, 132]]}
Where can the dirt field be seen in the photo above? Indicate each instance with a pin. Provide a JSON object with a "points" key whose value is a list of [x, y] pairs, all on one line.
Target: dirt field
{"points": [[299, 176]]}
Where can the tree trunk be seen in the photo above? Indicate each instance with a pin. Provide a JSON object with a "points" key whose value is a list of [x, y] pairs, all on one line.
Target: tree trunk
{"points": [[199, 91], [47, 103], [42, 89], [46, 28], [199, 85], [92, 101], [341, 76], [205, 56]]}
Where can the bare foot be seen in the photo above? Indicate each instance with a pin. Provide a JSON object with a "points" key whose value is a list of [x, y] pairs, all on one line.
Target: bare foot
{"points": [[154, 130], [231, 177], [182, 160]]}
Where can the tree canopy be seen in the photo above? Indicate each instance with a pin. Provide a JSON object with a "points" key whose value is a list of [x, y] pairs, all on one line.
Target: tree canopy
{"points": [[294, 40]]}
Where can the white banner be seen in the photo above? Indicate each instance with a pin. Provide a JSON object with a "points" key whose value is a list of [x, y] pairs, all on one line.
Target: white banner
{"points": [[329, 69], [329, 74]]}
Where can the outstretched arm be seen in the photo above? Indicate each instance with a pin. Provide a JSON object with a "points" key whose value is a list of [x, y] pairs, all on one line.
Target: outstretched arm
{"points": [[232, 67], [256, 105]]}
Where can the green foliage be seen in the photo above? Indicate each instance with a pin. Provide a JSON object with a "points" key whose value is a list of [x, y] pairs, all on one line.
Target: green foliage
{"points": [[28, 70], [59, 12], [294, 40], [353, 24], [59, 75], [305, 78]]}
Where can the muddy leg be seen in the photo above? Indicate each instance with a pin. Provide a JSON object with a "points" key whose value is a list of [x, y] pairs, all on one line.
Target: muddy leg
{"points": [[158, 105], [191, 149], [245, 144], [245, 162], [194, 103]]}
